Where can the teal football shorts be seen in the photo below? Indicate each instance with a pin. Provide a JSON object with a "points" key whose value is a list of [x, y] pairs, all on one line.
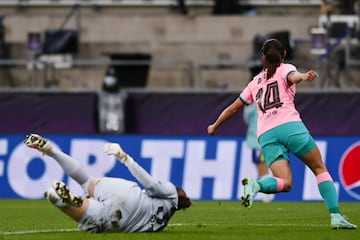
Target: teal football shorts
{"points": [[277, 143]]}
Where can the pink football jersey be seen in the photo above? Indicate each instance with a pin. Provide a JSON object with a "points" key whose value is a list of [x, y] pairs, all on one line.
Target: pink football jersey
{"points": [[274, 98]]}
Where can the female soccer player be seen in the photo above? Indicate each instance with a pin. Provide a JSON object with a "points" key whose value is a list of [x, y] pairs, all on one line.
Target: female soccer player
{"points": [[281, 130], [112, 204]]}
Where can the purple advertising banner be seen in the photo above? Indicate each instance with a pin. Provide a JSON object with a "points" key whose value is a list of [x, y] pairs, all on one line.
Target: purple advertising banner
{"points": [[48, 112], [190, 113], [146, 112]]}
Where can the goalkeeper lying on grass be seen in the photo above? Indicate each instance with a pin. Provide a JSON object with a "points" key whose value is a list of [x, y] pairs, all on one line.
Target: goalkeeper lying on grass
{"points": [[112, 204]]}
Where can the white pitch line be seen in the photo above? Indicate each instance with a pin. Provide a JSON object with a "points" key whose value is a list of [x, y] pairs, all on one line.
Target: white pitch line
{"points": [[172, 225], [40, 231], [251, 225]]}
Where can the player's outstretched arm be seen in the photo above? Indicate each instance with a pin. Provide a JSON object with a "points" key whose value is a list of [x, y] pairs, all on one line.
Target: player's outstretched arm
{"points": [[145, 179], [225, 115], [296, 77]]}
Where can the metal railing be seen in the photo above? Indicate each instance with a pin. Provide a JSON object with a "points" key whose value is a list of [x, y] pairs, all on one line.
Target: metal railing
{"points": [[50, 69], [42, 74]]}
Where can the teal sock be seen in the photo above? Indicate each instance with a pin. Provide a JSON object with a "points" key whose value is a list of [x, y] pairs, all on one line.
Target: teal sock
{"points": [[267, 185], [329, 194]]}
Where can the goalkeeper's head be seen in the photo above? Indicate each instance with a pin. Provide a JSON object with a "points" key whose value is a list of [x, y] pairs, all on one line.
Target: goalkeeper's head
{"points": [[183, 200]]}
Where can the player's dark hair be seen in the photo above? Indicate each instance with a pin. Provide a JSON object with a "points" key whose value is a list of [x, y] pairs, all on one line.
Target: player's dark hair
{"points": [[274, 54], [183, 200]]}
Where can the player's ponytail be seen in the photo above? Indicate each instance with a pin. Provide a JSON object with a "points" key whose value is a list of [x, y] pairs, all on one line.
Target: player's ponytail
{"points": [[274, 54]]}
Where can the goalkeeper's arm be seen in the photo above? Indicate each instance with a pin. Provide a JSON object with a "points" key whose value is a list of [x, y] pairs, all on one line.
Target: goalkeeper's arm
{"points": [[152, 185]]}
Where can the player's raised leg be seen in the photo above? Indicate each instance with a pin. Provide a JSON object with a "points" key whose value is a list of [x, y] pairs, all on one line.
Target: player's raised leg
{"points": [[72, 167]]}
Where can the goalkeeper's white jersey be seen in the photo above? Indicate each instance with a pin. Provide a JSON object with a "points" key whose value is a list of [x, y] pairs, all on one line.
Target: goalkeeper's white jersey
{"points": [[121, 205]]}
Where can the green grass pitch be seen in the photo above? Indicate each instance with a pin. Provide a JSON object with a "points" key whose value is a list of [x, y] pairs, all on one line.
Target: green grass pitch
{"points": [[37, 219]]}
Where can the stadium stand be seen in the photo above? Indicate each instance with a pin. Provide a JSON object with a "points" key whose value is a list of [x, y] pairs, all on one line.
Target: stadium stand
{"points": [[194, 50]]}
